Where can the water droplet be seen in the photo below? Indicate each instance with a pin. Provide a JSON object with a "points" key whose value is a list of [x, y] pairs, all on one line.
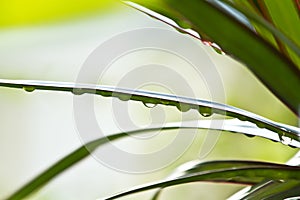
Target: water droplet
{"points": [[183, 107], [105, 93], [260, 125], [164, 102], [285, 140], [242, 118], [150, 105], [29, 88], [123, 97], [250, 136], [205, 111], [78, 91]]}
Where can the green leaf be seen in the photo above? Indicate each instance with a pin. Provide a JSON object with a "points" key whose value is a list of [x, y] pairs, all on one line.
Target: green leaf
{"points": [[84, 151], [264, 26], [69, 161], [284, 16], [272, 189], [157, 194], [241, 172], [280, 14], [148, 97], [78, 155], [183, 104], [276, 71]]}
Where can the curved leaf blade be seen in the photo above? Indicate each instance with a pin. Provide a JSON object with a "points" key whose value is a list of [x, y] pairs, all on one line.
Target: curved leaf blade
{"points": [[242, 43], [272, 189], [85, 150], [283, 16], [69, 161], [276, 190], [182, 103], [240, 172], [281, 36]]}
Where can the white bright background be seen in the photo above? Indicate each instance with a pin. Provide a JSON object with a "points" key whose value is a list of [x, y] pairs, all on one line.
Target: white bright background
{"points": [[38, 128]]}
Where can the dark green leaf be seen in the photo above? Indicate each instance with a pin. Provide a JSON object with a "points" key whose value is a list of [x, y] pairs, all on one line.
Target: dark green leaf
{"points": [[214, 21], [272, 189], [241, 172]]}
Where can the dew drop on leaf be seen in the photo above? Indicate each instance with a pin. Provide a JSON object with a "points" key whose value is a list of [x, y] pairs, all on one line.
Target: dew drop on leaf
{"points": [[164, 102], [123, 97], [242, 118], [78, 91], [105, 93], [260, 125], [205, 111], [29, 88], [150, 105], [250, 136], [183, 107]]}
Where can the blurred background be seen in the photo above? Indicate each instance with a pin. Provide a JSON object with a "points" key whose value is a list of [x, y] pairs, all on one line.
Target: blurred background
{"points": [[50, 40]]}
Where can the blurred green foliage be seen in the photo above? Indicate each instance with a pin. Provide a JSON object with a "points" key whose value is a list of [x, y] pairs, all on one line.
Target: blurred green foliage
{"points": [[30, 12]]}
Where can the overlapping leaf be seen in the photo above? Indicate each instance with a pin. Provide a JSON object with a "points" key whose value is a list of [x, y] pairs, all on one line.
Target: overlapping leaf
{"points": [[214, 22], [182, 103], [241, 172]]}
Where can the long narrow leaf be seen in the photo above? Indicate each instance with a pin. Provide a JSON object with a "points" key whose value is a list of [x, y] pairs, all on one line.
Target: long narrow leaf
{"points": [[82, 152], [210, 19], [268, 26], [271, 188], [236, 172], [205, 108], [276, 190], [281, 14], [69, 161]]}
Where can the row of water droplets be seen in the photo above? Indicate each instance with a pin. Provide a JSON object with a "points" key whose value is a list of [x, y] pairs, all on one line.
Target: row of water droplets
{"points": [[281, 134], [183, 107], [151, 102], [185, 26]]}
